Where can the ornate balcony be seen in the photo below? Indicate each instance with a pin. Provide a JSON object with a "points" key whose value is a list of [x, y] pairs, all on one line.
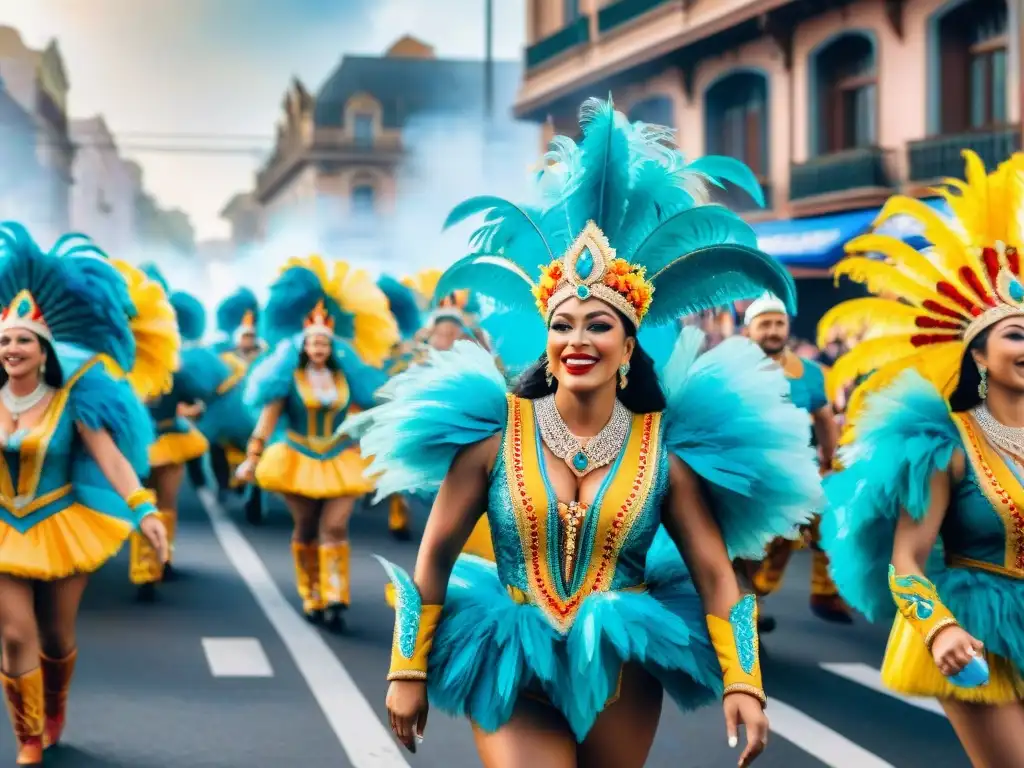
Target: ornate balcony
{"points": [[939, 157], [852, 172], [563, 41], [624, 11]]}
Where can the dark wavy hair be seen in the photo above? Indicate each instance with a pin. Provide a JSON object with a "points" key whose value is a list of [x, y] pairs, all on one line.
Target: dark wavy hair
{"points": [[965, 396], [331, 364], [643, 393], [52, 376]]}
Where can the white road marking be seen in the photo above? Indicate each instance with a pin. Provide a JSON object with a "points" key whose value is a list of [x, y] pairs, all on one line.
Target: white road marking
{"points": [[365, 740], [818, 740], [869, 677], [236, 657]]}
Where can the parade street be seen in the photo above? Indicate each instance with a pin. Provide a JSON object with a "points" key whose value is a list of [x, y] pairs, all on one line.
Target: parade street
{"points": [[222, 671]]}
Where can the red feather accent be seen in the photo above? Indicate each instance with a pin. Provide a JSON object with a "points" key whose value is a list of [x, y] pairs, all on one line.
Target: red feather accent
{"points": [[1013, 259], [969, 276], [991, 259], [931, 322], [939, 309], [950, 292], [923, 339]]}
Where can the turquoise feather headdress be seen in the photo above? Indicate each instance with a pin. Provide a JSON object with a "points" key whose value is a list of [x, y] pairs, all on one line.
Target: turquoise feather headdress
{"points": [[191, 316], [404, 305], [622, 218], [72, 294], [239, 312], [152, 271]]}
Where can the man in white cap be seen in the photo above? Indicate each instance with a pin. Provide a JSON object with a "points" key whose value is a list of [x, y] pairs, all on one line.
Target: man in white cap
{"points": [[767, 324]]}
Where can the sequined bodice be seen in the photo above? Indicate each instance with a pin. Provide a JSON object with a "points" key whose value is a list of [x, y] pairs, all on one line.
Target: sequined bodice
{"points": [[610, 549], [315, 414], [983, 522]]}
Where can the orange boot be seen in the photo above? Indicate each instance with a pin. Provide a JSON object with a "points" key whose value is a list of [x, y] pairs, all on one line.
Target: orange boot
{"points": [[24, 696], [56, 682], [398, 517], [334, 583], [307, 578]]}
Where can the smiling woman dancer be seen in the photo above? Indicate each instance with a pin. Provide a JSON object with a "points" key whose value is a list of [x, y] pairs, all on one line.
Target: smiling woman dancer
{"points": [[933, 489], [329, 329], [559, 652], [74, 437]]}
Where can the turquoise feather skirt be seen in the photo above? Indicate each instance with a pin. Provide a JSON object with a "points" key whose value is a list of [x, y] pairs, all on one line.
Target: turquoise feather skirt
{"points": [[989, 606], [490, 650]]}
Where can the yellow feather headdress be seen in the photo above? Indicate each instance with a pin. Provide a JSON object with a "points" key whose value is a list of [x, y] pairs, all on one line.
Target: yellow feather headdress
{"points": [[930, 306]]}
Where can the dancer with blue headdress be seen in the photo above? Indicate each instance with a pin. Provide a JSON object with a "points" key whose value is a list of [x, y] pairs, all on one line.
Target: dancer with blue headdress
{"points": [[77, 331], [926, 521], [227, 423], [177, 439], [330, 330], [568, 640]]}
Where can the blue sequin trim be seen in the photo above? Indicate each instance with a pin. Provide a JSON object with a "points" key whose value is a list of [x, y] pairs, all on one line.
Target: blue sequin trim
{"points": [[408, 608], [744, 632]]}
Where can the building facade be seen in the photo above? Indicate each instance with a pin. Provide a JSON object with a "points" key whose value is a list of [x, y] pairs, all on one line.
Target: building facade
{"points": [[245, 217], [340, 154], [104, 195], [160, 233], [37, 81], [21, 183], [835, 104]]}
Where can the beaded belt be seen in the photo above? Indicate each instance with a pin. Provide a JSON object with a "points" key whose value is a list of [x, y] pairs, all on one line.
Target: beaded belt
{"points": [[524, 598]]}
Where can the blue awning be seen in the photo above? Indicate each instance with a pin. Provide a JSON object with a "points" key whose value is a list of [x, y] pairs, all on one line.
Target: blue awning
{"points": [[817, 242]]}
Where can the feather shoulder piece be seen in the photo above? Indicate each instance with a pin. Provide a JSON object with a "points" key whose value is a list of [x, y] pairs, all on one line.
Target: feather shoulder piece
{"points": [[905, 434], [270, 378], [403, 304], [730, 420], [427, 414], [622, 218]]}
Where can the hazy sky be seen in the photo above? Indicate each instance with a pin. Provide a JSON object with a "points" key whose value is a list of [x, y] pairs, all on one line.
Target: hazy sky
{"points": [[221, 67]]}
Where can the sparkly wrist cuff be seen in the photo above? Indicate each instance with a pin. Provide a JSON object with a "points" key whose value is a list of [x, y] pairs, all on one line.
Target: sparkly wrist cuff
{"points": [[919, 603], [737, 645], [415, 625], [139, 497]]}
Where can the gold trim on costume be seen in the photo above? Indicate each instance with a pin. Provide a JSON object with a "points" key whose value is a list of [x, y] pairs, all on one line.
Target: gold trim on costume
{"points": [[1000, 486], [20, 506]]}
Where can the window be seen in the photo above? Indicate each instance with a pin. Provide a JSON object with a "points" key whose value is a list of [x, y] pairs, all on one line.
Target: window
{"points": [[848, 94], [363, 200], [737, 119], [972, 46], [363, 129], [570, 11]]}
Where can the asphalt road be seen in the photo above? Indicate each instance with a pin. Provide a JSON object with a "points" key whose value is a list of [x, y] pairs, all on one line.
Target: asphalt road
{"points": [[223, 672]]}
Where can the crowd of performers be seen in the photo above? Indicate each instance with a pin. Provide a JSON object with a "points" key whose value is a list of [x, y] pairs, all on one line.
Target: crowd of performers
{"points": [[610, 502]]}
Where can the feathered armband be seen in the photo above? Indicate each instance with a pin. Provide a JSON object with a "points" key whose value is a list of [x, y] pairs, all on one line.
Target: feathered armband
{"points": [[415, 625]]}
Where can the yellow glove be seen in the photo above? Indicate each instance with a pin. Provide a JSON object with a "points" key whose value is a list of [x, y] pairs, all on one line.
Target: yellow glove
{"points": [[415, 625], [919, 603], [737, 645]]}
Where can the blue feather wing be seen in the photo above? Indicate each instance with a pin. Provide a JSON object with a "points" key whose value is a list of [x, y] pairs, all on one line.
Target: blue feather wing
{"points": [[719, 169], [270, 378], [496, 277], [729, 418], [716, 276], [231, 311], [691, 230]]}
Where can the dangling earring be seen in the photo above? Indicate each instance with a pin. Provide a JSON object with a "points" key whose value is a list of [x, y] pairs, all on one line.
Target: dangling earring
{"points": [[548, 376], [983, 384], [623, 370], [42, 368]]}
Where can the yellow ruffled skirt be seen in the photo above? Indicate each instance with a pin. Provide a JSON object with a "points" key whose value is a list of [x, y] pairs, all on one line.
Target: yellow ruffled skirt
{"points": [[286, 469], [75, 540], [177, 448], [909, 668]]}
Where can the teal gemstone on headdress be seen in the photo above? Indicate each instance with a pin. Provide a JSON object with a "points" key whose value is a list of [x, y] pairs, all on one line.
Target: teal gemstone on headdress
{"points": [[582, 292], [24, 306], [1016, 291], [585, 264], [580, 461]]}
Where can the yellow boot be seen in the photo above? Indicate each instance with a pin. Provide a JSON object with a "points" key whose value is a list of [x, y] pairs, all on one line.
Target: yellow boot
{"points": [[24, 695], [825, 600], [57, 675], [170, 519], [398, 517], [144, 566], [769, 576], [334, 583], [307, 578]]}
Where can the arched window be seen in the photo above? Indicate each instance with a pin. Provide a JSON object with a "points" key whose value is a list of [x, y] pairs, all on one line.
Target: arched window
{"points": [[736, 119], [847, 94], [657, 110], [363, 198], [972, 53]]}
